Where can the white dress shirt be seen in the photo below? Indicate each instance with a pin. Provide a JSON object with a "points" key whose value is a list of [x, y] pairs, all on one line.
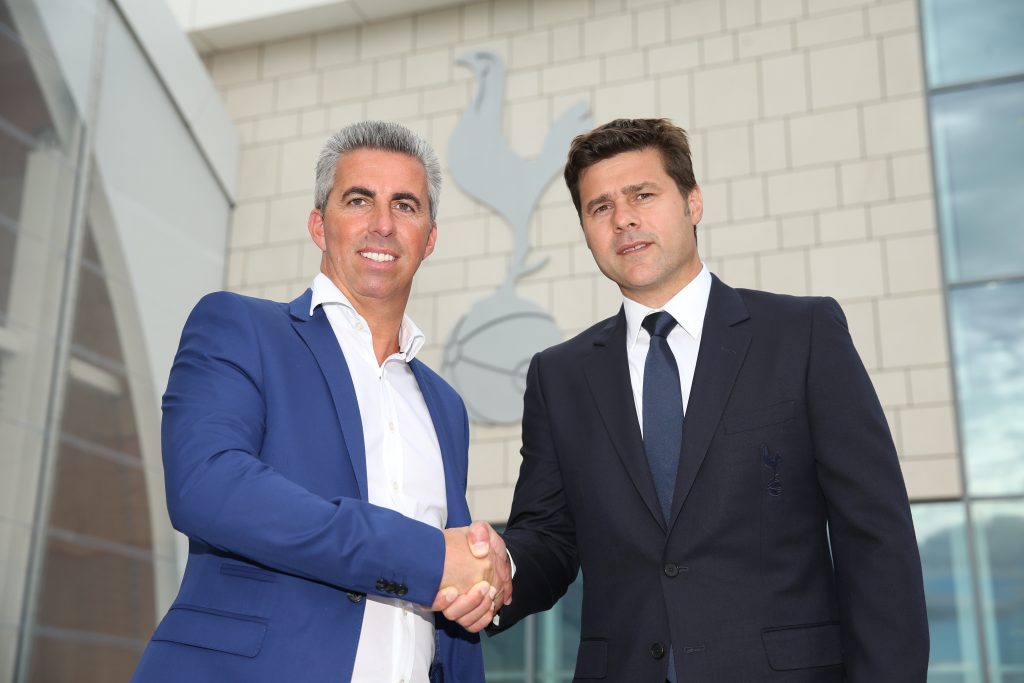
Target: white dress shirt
{"points": [[688, 308], [404, 472]]}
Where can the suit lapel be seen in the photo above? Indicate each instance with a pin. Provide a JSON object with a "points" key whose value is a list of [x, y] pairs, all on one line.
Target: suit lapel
{"points": [[607, 372], [316, 331], [723, 346], [454, 481]]}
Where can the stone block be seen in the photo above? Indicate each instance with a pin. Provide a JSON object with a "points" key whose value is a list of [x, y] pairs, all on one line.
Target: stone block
{"points": [[727, 94], [823, 138], [830, 29], [766, 40], [895, 126], [286, 57], [845, 74], [848, 271], [912, 330], [695, 19], [800, 191], [608, 34], [388, 38], [728, 152], [744, 238], [913, 264], [784, 272], [864, 181], [843, 225]]}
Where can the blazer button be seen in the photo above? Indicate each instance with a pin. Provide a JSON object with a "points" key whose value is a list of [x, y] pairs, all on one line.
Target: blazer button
{"points": [[382, 584], [657, 650], [671, 570], [355, 597], [401, 590]]}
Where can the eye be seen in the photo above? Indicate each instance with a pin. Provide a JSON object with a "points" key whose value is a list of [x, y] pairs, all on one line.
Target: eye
{"points": [[601, 208], [644, 196], [359, 201], [405, 207]]}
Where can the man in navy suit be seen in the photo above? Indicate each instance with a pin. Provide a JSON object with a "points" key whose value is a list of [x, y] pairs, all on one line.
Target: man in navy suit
{"points": [[317, 467], [715, 460]]}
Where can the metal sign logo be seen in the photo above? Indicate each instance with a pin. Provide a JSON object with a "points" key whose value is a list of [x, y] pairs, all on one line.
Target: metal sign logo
{"points": [[489, 349]]}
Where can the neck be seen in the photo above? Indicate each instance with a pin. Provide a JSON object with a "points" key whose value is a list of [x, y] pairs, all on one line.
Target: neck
{"points": [[658, 297]]}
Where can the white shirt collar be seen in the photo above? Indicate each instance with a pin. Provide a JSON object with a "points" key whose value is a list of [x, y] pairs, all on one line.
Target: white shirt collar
{"points": [[410, 336], [687, 307]]}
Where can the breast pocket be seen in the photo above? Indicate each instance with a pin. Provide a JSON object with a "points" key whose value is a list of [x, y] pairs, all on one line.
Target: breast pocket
{"points": [[761, 417]]}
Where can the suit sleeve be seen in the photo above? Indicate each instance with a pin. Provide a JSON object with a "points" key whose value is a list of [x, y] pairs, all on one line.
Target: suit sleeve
{"points": [[221, 493], [540, 535], [874, 549]]}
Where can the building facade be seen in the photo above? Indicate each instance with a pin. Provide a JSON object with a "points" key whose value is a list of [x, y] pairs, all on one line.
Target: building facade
{"points": [[869, 150]]}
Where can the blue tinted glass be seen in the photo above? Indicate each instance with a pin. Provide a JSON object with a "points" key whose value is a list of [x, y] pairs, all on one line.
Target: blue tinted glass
{"points": [[945, 561], [968, 40], [1000, 537], [979, 164], [558, 637], [988, 346]]}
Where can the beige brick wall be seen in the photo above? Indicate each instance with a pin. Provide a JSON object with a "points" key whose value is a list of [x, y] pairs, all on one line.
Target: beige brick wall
{"points": [[809, 131]]}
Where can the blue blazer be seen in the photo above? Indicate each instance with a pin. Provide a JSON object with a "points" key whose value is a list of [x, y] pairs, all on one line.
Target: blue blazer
{"points": [[265, 472]]}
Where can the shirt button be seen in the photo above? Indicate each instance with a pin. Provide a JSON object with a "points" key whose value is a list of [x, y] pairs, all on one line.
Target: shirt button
{"points": [[391, 426], [394, 485]]}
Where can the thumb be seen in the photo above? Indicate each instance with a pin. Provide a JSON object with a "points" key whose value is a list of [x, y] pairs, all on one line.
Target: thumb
{"points": [[479, 538]]}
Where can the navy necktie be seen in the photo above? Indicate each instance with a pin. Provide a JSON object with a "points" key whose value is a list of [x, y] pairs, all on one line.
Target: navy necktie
{"points": [[663, 409]]}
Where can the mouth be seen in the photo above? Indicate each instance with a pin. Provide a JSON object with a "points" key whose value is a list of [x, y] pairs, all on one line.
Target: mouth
{"points": [[632, 248], [378, 256]]}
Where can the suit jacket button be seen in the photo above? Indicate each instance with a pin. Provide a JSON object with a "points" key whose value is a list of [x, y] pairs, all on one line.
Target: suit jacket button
{"points": [[671, 570], [657, 650], [401, 590], [382, 584], [355, 597]]}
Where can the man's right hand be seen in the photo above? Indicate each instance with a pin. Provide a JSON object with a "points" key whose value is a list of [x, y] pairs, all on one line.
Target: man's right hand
{"points": [[474, 609]]}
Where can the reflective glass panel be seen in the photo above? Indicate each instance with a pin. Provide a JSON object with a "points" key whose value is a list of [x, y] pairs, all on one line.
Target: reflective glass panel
{"points": [[952, 620], [988, 348], [999, 529], [968, 40], [978, 152], [97, 588], [558, 637]]}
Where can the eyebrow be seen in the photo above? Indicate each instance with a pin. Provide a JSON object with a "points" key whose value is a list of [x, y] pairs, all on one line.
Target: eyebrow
{"points": [[356, 189], [627, 190], [366, 192]]}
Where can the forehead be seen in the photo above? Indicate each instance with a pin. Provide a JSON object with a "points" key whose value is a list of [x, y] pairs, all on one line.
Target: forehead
{"points": [[381, 170], [622, 170]]}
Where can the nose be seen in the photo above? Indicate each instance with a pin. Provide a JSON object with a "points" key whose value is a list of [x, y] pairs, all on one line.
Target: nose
{"points": [[625, 217], [383, 222]]}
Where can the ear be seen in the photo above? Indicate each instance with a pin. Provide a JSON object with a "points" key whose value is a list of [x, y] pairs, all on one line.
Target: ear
{"points": [[315, 223], [431, 240], [696, 203]]}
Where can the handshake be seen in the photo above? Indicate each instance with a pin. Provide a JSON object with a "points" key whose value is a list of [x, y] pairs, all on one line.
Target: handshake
{"points": [[477, 578]]}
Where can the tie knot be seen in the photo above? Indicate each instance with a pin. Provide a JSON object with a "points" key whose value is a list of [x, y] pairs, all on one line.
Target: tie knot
{"points": [[659, 324]]}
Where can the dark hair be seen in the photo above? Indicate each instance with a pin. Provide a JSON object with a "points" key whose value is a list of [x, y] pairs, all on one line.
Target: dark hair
{"points": [[631, 135]]}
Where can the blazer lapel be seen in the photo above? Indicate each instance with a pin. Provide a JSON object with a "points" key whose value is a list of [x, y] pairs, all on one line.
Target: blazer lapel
{"points": [[723, 346], [607, 372], [316, 331], [454, 480]]}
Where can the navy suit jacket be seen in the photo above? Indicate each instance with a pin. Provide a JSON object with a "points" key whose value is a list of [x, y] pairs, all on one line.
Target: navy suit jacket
{"points": [[265, 473], [790, 552]]}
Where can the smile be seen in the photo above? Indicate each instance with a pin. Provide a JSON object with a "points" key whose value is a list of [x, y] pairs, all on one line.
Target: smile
{"points": [[378, 256], [632, 248]]}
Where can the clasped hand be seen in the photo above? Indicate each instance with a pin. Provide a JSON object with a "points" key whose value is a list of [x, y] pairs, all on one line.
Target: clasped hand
{"points": [[477, 579]]}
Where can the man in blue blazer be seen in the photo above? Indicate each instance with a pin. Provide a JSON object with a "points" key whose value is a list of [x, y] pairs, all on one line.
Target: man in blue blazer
{"points": [[317, 467], [714, 460]]}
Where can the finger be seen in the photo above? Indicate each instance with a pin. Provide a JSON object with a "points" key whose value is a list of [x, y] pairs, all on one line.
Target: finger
{"points": [[481, 624], [444, 598], [463, 605], [481, 612], [479, 538]]}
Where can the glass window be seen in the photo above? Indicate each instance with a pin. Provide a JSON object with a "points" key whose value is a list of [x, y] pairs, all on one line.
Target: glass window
{"points": [[97, 588], [988, 349], [999, 530], [972, 39], [978, 148], [540, 649], [946, 564]]}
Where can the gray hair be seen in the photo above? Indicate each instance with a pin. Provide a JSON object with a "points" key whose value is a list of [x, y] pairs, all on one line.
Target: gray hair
{"points": [[382, 135]]}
